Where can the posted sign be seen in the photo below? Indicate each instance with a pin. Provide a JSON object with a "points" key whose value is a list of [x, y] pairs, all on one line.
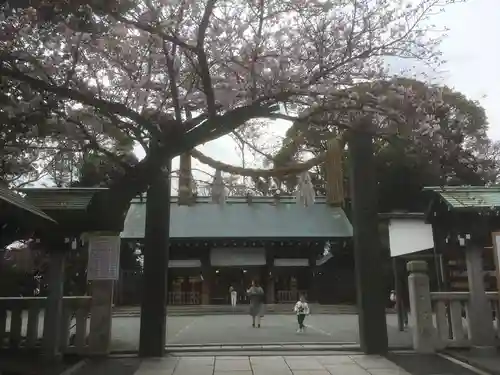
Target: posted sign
{"points": [[104, 258], [495, 236]]}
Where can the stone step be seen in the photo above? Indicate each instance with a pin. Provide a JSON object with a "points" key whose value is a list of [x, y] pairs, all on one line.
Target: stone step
{"points": [[272, 347], [240, 309]]}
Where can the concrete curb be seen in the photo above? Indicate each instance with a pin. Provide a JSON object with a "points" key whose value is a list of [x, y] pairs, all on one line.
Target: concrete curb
{"points": [[253, 344], [255, 348], [138, 314], [124, 313], [261, 350]]}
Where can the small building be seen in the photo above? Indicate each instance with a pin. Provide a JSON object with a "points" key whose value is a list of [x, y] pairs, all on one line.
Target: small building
{"points": [[19, 217], [280, 244], [461, 215]]}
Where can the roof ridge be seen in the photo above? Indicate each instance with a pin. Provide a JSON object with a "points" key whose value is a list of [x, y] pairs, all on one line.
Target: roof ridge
{"points": [[237, 199], [461, 188]]}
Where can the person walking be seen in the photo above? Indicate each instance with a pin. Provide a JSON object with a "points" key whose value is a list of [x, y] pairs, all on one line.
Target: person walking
{"points": [[234, 296], [302, 310], [256, 295], [402, 305]]}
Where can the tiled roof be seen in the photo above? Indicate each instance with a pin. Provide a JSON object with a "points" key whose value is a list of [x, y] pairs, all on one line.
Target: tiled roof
{"points": [[59, 199], [462, 197], [17, 200]]}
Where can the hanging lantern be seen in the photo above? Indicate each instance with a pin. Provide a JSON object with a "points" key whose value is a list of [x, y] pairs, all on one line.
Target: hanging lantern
{"points": [[305, 190], [218, 189], [334, 173]]}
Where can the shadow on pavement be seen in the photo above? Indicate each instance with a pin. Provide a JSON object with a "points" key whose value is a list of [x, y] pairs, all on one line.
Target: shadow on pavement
{"points": [[427, 364], [110, 366]]}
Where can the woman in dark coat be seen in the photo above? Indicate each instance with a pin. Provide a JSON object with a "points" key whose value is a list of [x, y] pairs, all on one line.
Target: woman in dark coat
{"points": [[256, 295]]}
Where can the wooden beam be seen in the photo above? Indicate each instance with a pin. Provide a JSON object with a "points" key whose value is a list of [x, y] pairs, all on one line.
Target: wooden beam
{"points": [[156, 255], [371, 294]]}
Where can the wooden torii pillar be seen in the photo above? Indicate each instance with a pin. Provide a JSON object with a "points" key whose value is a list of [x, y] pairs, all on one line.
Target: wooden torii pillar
{"points": [[371, 295]]}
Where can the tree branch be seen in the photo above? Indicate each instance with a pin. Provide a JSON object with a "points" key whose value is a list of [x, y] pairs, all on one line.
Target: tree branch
{"points": [[206, 79], [243, 141], [221, 125], [172, 77], [153, 30], [75, 56], [100, 104], [256, 50], [96, 146]]}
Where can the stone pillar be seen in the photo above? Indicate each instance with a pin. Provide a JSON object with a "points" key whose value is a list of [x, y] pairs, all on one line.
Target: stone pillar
{"points": [[270, 290], [205, 288], [206, 272], [479, 309], [53, 308], [423, 331], [312, 297], [269, 286], [370, 288], [152, 336], [101, 315], [102, 292], [398, 289]]}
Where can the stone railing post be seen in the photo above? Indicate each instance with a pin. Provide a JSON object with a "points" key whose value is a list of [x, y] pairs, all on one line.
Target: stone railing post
{"points": [[423, 331], [101, 315], [479, 308], [54, 306], [102, 271]]}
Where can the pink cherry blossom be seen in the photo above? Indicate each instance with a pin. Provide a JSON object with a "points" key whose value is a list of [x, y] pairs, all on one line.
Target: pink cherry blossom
{"points": [[228, 61]]}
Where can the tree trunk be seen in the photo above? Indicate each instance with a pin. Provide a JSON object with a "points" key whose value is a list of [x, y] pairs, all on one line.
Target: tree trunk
{"points": [[185, 183], [108, 208]]}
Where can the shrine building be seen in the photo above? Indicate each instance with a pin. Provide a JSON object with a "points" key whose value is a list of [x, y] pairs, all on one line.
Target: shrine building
{"points": [[286, 247]]}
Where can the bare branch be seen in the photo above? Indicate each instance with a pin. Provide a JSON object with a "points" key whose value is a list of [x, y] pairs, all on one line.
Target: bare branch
{"points": [[155, 31], [75, 55], [202, 58], [172, 79], [242, 140], [100, 104]]}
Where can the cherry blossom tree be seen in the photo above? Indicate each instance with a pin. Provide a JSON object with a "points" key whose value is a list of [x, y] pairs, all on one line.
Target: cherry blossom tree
{"points": [[462, 155], [171, 75]]}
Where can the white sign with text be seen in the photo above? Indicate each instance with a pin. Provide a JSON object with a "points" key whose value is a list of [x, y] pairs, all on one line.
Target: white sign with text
{"points": [[104, 258]]}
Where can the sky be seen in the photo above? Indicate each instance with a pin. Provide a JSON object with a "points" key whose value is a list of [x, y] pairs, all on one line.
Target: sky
{"points": [[472, 51], [472, 54]]}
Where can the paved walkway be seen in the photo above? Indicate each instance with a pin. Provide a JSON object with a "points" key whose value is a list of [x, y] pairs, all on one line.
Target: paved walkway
{"points": [[488, 362], [295, 365], [332, 363], [237, 330]]}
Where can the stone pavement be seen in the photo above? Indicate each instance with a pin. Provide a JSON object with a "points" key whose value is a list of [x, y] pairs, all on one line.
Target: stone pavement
{"points": [[299, 362], [271, 365], [488, 362], [237, 330]]}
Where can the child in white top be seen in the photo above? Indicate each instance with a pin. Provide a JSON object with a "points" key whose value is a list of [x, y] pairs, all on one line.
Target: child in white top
{"points": [[302, 310]]}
